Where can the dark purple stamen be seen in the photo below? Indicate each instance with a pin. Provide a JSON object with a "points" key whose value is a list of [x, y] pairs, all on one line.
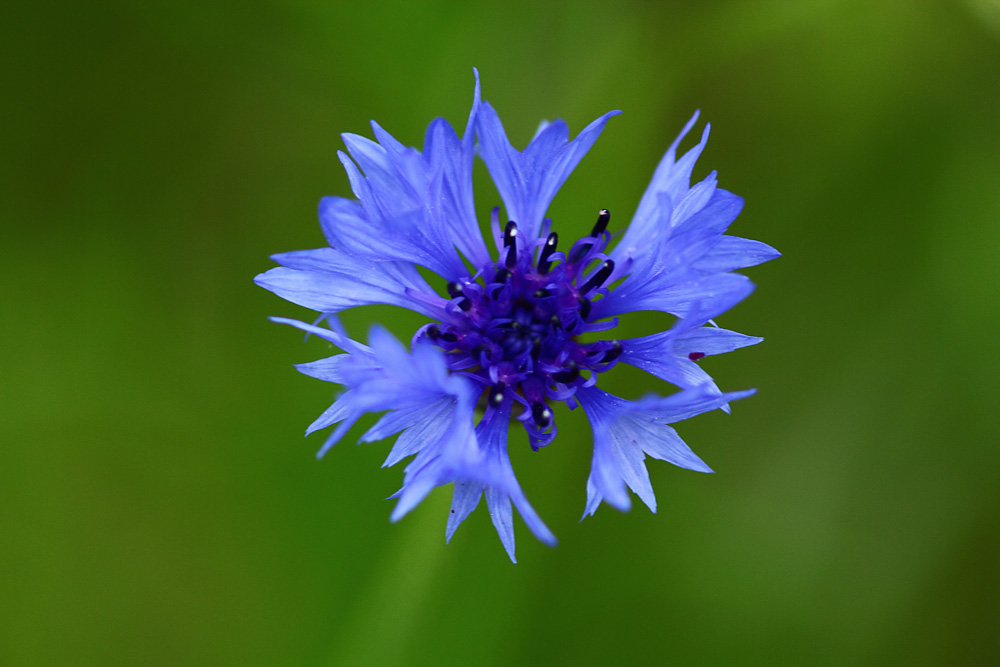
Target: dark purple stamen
{"points": [[509, 232], [541, 414], [455, 290], [599, 276], [511, 256], [603, 218], [519, 328], [510, 243], [544, 263], [571, 373], [496, 394], [612, 354], [695, 356]]}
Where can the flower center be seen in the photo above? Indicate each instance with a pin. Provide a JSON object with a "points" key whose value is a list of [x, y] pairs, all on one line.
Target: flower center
{"points": [[516, 324]]}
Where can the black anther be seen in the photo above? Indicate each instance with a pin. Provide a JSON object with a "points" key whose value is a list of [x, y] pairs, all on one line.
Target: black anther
{"points": [[599, 276], [541, 414], [509, 232], [496, 394], [542, 293], [511, 256], [585, 306], [550, 247], [571, 373], [612, 354], [603, 218], [501, 276], [455, 290]]}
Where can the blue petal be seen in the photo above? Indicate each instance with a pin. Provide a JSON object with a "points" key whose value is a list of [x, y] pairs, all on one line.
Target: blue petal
{"points": [[464, 500], [502, 516], [666, 354], [453, 454], [339, 411], [617, 461], [657, 355], [420, 424], [398, 220], [527, 181], [699, 229], [338, 338], [413, 493], [674, 293], [387, 175], [712, 340], [604, 483], [420, 393], [404, 379], [502, 487], [625, 432], [413, 207], [661, 276], [685, 404], [683, 233], [328, 369], [456, 207], [675, 252], [707, 209], [492, 434], [330, 280], [696, 198], [667, 188], [732, 253]]}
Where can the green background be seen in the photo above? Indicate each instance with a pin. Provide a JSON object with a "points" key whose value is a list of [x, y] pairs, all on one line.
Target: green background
{"points": [[159, 506]]}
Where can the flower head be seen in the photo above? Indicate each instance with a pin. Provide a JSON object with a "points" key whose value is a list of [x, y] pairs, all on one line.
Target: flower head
{"points": [[510, 335]]}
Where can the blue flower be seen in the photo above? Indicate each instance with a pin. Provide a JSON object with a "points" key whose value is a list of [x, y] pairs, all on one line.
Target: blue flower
{"points": [[507, 338]]}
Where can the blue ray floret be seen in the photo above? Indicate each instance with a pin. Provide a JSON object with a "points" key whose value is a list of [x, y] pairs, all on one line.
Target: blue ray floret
{"points": [[529, 325]]}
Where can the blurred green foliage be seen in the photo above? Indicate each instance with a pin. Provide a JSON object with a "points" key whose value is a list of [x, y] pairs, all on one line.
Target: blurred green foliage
{"points": [[159, 506]]}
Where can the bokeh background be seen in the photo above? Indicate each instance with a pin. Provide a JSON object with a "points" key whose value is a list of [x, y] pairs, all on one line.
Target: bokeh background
{"points": [[159, 506]]}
